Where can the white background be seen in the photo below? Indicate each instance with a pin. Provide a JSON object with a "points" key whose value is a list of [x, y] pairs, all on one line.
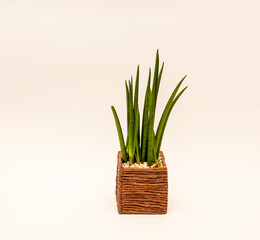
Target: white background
{"points": [[63, 64]]}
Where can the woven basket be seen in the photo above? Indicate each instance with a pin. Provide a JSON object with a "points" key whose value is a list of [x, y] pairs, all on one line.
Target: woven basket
{"points": [[141, 190]]}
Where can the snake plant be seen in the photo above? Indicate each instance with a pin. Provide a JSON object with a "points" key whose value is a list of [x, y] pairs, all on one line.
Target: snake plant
{"points": [[143, 145]]}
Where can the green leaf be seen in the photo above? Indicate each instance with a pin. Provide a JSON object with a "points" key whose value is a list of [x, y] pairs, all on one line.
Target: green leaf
{"points": [[136, 89], [166, 109], [164, 122], [150, 144], [131, 85], [137, 120], [150, 151], [131, 125], [136, 101], [120, 134], [155, 81], [128, 114], [154, 146], [127, 137], [145, 121]]}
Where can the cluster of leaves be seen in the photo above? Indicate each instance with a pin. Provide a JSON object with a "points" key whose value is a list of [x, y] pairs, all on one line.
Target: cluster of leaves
{"points": [[144, 146]]}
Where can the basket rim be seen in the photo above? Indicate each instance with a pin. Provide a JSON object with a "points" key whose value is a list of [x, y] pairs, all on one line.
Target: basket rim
{"points": [[119, 156]]}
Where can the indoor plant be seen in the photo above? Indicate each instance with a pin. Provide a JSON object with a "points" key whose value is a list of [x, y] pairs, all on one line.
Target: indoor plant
{"points": [[142, 181]]}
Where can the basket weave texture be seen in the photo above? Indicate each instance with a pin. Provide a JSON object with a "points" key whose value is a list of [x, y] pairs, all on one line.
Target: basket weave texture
{"points": [[141, 190]]}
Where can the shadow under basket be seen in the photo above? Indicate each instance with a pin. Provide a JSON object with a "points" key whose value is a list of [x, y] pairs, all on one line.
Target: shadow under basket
{"points": [[141, 190]]}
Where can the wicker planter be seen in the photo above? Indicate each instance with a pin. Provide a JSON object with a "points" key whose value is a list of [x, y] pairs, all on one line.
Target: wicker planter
{"points": [[141, 190]]}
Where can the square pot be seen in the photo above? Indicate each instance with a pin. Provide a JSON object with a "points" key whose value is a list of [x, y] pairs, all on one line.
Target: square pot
{"points": [[141, 190]]}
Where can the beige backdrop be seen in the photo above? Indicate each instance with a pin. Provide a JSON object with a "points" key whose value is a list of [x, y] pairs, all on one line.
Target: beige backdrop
{"points": [[63, 64]]}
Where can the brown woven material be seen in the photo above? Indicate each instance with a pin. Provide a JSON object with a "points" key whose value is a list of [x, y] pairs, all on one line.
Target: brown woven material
{"points": [[141, 190]]}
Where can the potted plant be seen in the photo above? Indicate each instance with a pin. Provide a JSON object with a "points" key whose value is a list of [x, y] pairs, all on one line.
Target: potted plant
{"points": [[142, 180]]}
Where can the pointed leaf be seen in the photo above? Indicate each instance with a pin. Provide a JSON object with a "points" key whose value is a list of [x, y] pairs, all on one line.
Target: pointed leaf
{"points": [[128, 114], [160, 135], [136, 147], [166, 109], [145, 121], [120, 134], [150, 146], [131, 125], [136, 89], [150, 150]]}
